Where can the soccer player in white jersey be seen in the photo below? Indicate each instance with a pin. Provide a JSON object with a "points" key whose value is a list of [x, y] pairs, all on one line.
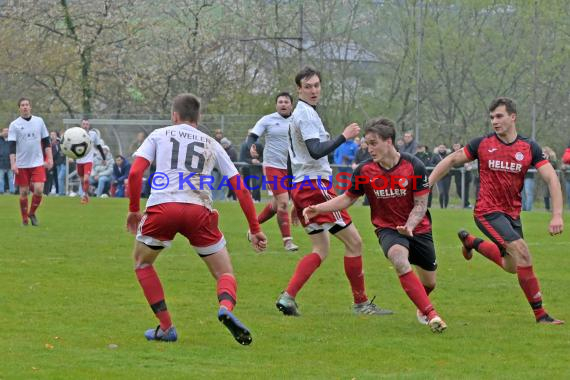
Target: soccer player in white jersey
{"points": [[309, 145], [181, 203], [27, 135], [85, 164], [275, 126]]}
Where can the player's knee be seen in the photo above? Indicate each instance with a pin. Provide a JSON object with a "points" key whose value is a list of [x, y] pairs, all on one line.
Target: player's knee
{"points": [[355, 244], [282, 205], [519, 250]]}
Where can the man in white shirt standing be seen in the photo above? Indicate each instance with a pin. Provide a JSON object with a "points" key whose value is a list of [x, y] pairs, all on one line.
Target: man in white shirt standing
{"points": [[85, 163], [309, 145], [27, 135], [275, 127]]}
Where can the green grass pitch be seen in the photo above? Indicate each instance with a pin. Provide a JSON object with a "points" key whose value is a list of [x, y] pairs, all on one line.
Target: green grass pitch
{"points": [[70, 306]]}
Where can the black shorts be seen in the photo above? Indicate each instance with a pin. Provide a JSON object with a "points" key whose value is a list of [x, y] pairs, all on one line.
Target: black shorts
{"points": [[420, 247], [500, 228]]}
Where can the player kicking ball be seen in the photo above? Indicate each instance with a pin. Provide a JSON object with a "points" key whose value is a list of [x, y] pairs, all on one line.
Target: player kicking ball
{"points": [[181, 151], [396, 185], [504, 158]]}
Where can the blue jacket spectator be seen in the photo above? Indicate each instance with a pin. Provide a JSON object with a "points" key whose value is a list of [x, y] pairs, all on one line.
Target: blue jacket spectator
{"points": [[344, 154], [121, 170]]}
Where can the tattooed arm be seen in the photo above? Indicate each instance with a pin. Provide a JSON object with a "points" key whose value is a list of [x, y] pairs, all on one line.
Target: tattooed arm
{"points": [[416, 215]]}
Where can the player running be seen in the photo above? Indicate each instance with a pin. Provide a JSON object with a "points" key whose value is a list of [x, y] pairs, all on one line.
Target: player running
{"points": [[504, 158], [396, 185], [276, 127], [27, 135], [179, 204], [309, 146], [85, 164]]}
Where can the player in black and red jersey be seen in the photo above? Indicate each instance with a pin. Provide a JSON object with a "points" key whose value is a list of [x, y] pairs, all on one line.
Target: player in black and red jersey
{"points": [[396, 185], [504, 158]]}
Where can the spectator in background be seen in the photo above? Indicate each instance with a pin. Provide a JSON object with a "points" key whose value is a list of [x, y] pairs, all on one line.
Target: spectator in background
{"points": [[528, 191], [218, 195], [253, 157], [137, 143], [5, 170], [457, 177], [343, 157], [410, 145], [52, 175], [218, 135], [232, 153], [102, 173], [400, 144], [550, 155], [424, 155], [566, 168], [121, 169], [445, 183], [362, 155]]}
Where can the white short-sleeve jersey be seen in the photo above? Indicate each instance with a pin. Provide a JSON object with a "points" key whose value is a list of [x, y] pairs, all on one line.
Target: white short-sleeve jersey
{"points": [[28, 136], [276, 129], [305, 125], [184, 159], [95, 140]]}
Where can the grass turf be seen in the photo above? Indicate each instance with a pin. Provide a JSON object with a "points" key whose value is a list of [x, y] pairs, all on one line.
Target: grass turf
{"points": [[71, 306]]}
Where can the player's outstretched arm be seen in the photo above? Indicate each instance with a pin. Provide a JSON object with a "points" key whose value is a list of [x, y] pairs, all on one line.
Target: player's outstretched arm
{"points": [[549, 176], [454, 159], [318, 149], [336, 204], [135, 187], [416, 215], [258, 239]]}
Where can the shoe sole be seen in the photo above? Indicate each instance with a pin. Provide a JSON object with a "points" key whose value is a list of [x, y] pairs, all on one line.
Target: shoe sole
{"points": [[293, 249], [286, 310], [467, 253], [240, 333]]}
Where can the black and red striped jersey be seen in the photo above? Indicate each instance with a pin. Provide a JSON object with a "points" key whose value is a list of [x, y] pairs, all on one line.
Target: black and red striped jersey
{"points": [[502, 168], [391, 191]]}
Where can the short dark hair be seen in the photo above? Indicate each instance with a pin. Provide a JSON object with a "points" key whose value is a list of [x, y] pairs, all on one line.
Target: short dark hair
{"points": [[509, 104], [305, 73], [285, 94], [84, 118], [383, 127], [22, 99], [187, 106]]}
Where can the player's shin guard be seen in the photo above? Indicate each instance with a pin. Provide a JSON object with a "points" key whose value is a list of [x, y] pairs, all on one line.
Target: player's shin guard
{"points": [[227, 291], [306, 267], [531, 288], [353, 270], [416, 292], [488, 249], [154, 294], [36, 200], [24, 208], [266, 214], [283, 222]]}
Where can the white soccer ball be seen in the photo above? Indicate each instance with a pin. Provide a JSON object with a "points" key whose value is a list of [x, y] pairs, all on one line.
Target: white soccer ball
{"points": [[75, 143]]}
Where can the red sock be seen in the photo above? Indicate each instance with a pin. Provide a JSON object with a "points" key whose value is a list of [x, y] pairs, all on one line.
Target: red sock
{"points": [[36, 200], [24, 208], [305, 268], [227, 290], [428, 289], [353, 270], [490, 250], [86, 187], [531, 288], [266, 214], [415, 290], [154, 294], [283, 222]]}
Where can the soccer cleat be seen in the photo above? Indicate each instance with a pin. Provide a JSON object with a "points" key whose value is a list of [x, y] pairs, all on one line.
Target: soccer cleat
{"points": [[85, 199], [369, 308], [466, 250], [287, 305], [24, 223], [238, 330], [422, 318], [34, 220], [248, 236], [290, 246], [548, 320], [169, 335], [437, 325]]}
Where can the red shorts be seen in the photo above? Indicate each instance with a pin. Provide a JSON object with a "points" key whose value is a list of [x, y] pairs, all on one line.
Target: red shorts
{"points": [[84, 169], [160, 223], [26, 176], [307, 193], [276, 180]]}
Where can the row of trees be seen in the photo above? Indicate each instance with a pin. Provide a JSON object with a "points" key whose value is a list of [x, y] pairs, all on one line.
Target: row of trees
{"points": [[430, 65]]}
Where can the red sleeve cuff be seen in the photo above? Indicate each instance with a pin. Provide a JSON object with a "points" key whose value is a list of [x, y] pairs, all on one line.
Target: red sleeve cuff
{"points": [[468, 153], [541, 163], [421, 192]]}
